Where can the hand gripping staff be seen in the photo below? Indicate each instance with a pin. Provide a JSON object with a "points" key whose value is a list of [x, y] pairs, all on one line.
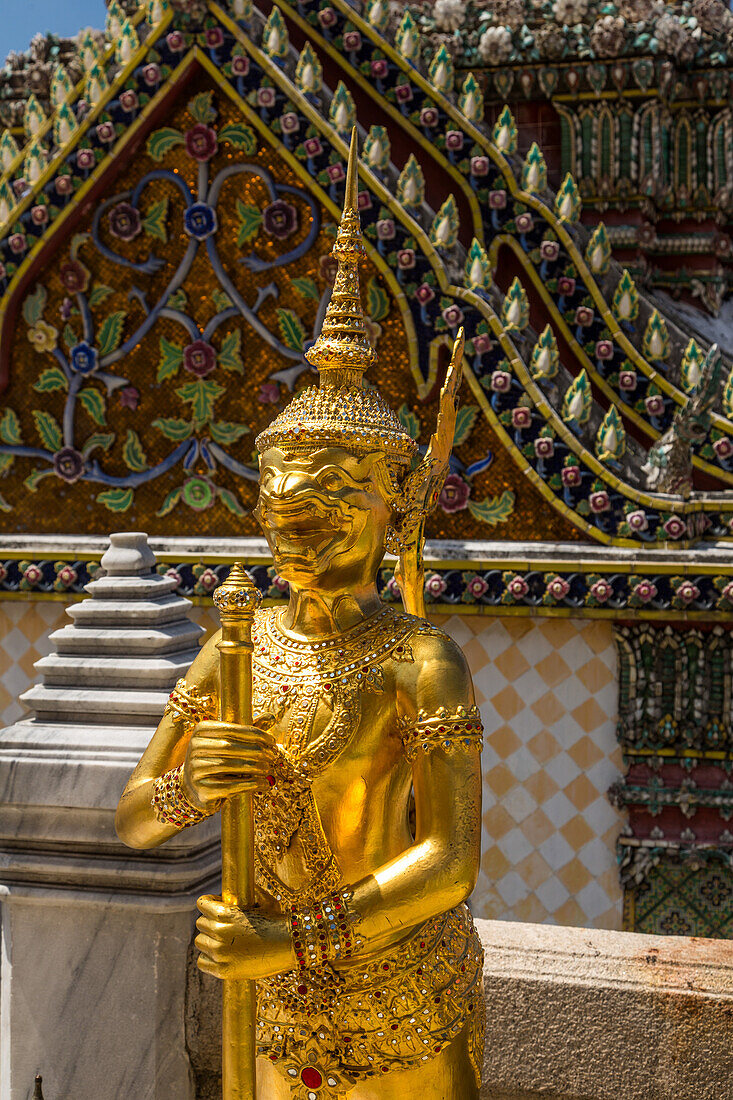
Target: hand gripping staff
{"points": [[237, 599]]}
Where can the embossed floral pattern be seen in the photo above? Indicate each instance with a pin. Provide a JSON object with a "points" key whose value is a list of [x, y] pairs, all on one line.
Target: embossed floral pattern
{"points": [[68, 464], [280, 219], [124, 221], [454, 494], [201, 142], [199, 358]]}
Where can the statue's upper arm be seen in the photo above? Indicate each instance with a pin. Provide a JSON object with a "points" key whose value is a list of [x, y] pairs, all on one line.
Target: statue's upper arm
{"points": [[167, 747], [438, 676], [204, 672], [447, 783]]}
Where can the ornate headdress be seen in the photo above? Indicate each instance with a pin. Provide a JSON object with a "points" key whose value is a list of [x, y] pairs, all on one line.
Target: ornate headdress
{"points": [[341, 412]]}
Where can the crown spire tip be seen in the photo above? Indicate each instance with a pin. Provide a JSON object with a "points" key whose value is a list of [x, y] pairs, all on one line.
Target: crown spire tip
{"points": [[352, 174], [343, 351]]}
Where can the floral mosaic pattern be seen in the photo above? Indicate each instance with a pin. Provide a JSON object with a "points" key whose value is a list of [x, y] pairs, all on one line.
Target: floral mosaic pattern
{"points": [[572, 454], [540, 590], [609, 354], [91, 351], [195, 462], [685, 892], [675, 728]]}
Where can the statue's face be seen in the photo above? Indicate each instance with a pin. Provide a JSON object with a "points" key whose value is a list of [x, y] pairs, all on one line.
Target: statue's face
{"points": [[323, 516]]}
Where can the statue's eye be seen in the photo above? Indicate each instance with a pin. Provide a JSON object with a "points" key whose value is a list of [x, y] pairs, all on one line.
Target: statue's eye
{"points": [[332, 481]]}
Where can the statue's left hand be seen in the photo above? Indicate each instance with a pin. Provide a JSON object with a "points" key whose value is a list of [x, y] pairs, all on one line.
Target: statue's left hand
{"points": [[235, 944]]}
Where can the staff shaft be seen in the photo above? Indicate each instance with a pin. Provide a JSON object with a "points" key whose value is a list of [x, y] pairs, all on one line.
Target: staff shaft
{"points": [[237, 836]]}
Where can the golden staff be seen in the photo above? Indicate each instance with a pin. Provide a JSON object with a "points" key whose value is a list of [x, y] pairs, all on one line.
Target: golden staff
{"points": [[237, 599]]}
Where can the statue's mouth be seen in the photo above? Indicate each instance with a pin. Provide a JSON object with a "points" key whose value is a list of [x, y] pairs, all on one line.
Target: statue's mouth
{"points": [[301, 528]]}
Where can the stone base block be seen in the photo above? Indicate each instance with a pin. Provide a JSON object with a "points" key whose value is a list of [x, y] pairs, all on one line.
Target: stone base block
{"points": [[102, 997], [574, 1014]]}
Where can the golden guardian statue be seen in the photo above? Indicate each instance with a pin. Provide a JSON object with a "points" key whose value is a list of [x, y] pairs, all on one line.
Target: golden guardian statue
{"points": [[368, 968]]}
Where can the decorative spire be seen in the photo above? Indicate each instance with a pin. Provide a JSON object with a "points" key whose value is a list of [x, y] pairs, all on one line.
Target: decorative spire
{"points": [[341, 412], [343, 351]]}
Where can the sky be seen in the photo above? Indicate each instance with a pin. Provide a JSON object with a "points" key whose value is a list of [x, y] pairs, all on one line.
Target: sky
{"points": [[21, 19]]}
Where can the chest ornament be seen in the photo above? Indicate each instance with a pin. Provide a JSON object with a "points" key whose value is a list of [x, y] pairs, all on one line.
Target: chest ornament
{"points": [[295, 678]]}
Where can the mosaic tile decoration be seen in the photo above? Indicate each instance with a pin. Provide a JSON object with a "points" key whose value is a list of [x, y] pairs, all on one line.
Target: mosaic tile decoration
{"points": [[684, 897], [645, 589], [538, 439], [547, 693]]}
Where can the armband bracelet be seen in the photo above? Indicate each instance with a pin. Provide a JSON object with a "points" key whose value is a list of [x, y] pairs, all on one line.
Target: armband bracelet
{"points": [[170, 805], [443, 730], [324, 933], [186, 703]]}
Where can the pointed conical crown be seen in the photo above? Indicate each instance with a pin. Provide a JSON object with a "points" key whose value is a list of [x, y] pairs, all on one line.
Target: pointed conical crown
{"points": [[341, 411], [343, 345]]}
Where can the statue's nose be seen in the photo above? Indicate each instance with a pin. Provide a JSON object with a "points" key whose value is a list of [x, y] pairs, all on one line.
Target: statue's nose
{"points": [[288, 484]]}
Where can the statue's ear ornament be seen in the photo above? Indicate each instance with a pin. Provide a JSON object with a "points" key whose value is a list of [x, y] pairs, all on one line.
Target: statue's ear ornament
{"points": [[421, 488]]}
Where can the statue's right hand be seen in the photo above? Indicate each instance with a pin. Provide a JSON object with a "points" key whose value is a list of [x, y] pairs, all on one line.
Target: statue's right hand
{"points": [[225, 759]]}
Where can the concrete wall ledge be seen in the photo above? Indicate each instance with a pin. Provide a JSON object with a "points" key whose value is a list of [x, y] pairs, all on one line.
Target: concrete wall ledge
{"points": [[579, 1014]]}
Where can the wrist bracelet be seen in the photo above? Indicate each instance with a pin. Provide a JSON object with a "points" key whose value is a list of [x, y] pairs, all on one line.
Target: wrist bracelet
{"points": [[324, 933], [170, 804]]}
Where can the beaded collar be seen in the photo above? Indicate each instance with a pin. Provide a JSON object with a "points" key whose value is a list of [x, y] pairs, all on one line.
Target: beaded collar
{"points": [[353, 653], [297, 676]]}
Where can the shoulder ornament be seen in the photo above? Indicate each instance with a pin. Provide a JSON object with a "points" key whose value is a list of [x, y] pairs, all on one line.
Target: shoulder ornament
{"points": [[189, 705]]}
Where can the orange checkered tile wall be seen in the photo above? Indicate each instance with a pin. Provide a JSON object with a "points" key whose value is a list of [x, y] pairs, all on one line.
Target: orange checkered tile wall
{"points": [[547, 692]]}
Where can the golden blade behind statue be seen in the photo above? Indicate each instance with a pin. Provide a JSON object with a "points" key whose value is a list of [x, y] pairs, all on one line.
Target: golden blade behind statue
{"points": [[237, 600]]}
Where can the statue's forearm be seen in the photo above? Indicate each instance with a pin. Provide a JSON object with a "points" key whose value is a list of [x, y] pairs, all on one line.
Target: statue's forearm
{"points": [[135, 822], [429, 878], [439, 870], [433, 876]]}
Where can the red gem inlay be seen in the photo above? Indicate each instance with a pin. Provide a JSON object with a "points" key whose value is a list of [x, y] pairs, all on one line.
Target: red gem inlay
{"points": [[311, 1078]]}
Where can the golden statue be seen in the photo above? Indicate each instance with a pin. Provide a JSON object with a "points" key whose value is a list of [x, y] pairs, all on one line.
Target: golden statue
{"points": [[368, 968]]}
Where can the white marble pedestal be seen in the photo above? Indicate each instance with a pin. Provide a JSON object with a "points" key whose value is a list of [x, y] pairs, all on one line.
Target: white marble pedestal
{"points": [[95, 937], [92, 996]]}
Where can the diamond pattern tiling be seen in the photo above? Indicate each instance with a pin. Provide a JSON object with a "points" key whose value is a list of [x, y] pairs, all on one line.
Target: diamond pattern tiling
{"points": [[24, 630], [547, 693]]}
